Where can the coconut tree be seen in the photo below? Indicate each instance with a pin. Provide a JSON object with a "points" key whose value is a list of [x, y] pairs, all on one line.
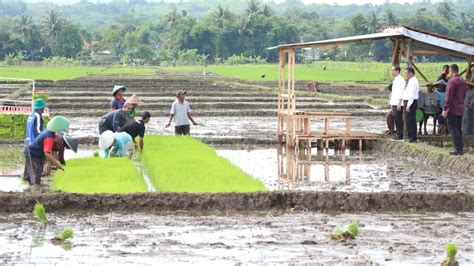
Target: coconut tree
{"points": [[252, 7], [24, 27], [445, 9], [52, 24], [390, 18], [372, 24]]}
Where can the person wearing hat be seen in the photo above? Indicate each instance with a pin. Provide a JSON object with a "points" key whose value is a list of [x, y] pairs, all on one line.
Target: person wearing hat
{"points": [[117, 101], [134, 102], [429, 104], [42, 147], [468, 117], [116, 144], [137, 128], [115, 120], [61, 142], [34, 124], [181, 112]]}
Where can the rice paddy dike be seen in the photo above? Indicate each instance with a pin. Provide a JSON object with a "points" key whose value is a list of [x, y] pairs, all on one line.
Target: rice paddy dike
{"points": [[408, 209]]}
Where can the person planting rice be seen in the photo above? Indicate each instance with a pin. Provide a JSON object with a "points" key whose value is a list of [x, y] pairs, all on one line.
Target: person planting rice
{"points": [[117, 101], [137, 128], [134, 101], [116, 144], [114, 120], [61, 142], [43, 147], [429, 103], [34, 125], [181, 112]]}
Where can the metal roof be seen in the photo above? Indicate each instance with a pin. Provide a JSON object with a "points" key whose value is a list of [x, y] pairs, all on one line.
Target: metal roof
{"points": [[432, 40]]}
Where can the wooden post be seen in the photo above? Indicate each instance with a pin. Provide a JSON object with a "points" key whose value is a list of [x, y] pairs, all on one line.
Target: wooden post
{"points": [[281, 87], [396, 52]]}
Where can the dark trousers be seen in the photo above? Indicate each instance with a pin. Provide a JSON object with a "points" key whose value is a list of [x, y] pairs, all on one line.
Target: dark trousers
{"points": [[181, 130], [455, 128], [411, 120], [33, 168], [398, 120]]}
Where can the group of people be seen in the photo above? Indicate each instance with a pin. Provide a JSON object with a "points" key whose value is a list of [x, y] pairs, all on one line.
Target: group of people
{"points": [[44, 146], [448, 101], [119, 129]]}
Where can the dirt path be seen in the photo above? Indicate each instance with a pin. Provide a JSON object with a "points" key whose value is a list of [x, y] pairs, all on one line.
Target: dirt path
{"points": [[233, 238]]}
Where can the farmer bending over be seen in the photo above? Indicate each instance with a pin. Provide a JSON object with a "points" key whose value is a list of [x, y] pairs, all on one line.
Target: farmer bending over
{"points": [[43, 147], [181, 112], [116, 144], [137, 128], [114, 120], [61, 142]]}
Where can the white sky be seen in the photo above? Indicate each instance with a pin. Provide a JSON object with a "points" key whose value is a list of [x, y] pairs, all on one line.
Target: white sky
{"points": [[348, 2]]}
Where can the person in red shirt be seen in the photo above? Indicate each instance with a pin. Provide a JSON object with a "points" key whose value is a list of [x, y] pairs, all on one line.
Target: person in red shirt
{"points": [[454, 107]]}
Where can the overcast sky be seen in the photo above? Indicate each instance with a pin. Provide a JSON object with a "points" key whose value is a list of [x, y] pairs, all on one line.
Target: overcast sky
{"points": [[348, 2]]}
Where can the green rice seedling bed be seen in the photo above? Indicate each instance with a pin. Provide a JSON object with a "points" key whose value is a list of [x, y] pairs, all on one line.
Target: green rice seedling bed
{"points": [[184, 164], [98, 175], [13, 126]]}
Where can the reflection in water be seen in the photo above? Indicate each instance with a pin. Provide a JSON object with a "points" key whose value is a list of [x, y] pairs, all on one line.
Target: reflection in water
{"points": [[302, 169]]}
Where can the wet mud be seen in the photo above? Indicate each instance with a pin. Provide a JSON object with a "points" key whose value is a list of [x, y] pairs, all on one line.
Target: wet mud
{"points": [[237, 238]]}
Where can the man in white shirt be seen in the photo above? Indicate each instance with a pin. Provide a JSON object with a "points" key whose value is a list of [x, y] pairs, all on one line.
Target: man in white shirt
{"points": [[398, 87], [181, 112], [410, 101]]}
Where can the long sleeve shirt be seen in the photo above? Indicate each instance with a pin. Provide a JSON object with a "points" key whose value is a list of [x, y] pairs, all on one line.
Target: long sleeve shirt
{"points": [[398, 87], [455, 96], [411, 91], [115, 120]]}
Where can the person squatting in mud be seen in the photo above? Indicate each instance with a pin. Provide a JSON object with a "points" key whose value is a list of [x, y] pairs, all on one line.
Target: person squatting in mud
{"points": [[41, 148], [181, 112]]}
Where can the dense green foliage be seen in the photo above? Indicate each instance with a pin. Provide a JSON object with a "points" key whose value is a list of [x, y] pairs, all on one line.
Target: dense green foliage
{"points": [[184, 164], [98, 175], [13, 126], [196, 32]]}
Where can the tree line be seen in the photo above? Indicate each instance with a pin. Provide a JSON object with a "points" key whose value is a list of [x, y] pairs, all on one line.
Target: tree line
{"points": [[216, 36]]}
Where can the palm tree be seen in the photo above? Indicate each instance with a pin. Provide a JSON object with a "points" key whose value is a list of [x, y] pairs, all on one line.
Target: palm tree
{"points": [[267, 10], [172, 18], [390, 18], [445, 9], [252, 7], [220, 15], [52, 24], [372, 23], [24, 27]]}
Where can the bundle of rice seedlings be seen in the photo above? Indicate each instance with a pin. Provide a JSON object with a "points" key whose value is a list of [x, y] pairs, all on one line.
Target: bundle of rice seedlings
{"points": [[353, 228], [62, 236], [40, 212], [350, 233], [451, 251]]}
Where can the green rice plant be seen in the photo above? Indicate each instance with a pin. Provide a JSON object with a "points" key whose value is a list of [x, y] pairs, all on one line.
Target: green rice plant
{"points": [[451, 251], [40, 212], [99, 175], [65, 234], [353, 228], [184, 164]]}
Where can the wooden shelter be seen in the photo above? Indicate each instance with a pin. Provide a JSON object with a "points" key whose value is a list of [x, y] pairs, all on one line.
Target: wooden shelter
{"points": [[294, 125]]}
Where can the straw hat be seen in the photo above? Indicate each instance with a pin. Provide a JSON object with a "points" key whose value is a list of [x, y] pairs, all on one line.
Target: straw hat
{"points": [[72, 143], [133, 99], [39, 104], [117, 88], [58, 124], [106, 139]]}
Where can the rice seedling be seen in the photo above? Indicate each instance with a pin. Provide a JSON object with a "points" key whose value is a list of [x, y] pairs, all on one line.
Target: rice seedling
{"points": [[62, 236], [342, 235], [40, 212], [99, 175], [184, 164], [451, 251]]}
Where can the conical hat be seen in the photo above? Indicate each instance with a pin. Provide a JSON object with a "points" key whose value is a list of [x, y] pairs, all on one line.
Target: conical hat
{"points": [[72, 143], [106, 139], [133, 99], [117, 88], [58, 124]]}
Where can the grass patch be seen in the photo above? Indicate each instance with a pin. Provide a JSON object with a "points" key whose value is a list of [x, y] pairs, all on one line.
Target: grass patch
{"points": [[70, 72], [184, 164], [98, 175]]}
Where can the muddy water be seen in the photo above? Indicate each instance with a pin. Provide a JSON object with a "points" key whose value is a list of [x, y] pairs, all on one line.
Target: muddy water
{"points": [[220, 239], [351, 172]]}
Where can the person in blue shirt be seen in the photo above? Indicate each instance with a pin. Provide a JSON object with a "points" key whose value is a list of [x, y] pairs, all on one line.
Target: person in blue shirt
{"points": [[34, 124], [114, 120], [116, 144], [117, 101]]}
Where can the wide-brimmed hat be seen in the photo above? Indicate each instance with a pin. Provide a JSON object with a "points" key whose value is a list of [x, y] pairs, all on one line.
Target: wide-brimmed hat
{"points": [[117, 88], [58, 124], [106, 139], [439, 83], [71, 143], [180, 92], [39, 104], [133, 99]]}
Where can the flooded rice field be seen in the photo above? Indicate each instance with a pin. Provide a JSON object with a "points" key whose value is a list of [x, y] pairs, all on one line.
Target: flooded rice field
{"points": [[229, 239]]}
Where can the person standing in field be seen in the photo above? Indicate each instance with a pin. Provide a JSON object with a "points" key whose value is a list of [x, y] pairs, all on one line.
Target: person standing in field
{"points": [[429, 103], [468, 118], [114, 120], [181, 112], [444, 74], [390, 117], [137, 128], [34, 124], [117, 101], [398, 87], [454, 108], [410, 101]]}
